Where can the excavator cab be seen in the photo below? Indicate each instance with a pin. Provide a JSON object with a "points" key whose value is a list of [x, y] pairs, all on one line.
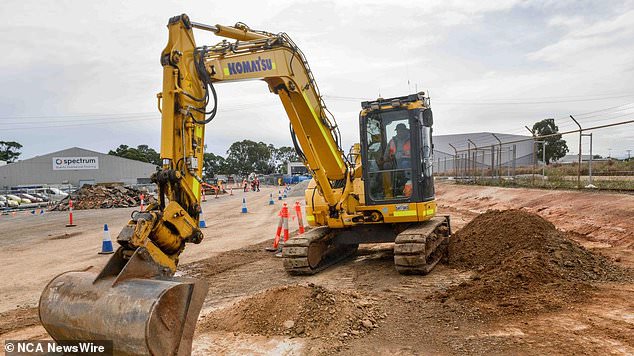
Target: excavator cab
{"points": [[397, 149]]}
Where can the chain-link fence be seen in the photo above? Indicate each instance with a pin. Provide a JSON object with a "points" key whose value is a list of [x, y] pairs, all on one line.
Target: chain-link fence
{"points": [[513, 160]]}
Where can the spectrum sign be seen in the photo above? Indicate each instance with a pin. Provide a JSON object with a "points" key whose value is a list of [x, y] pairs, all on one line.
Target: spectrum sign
{"points": [[72, 163]]}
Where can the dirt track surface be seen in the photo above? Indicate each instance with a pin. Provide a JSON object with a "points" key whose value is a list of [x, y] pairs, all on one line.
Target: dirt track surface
{"points": [[376, 309]]}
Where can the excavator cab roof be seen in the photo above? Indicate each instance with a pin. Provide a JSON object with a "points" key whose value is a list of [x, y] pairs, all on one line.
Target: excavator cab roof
{"points": [[381, 103]]}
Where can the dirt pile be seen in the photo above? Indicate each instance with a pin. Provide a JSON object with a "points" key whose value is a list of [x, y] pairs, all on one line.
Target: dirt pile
{"points": [[21, 317], [104, 197], [298, 190], [299, 310], [523, 263]]}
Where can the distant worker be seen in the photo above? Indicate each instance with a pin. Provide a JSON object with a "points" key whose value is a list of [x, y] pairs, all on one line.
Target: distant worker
{"points": [[257, 183], [245, 184], [399, 148]]}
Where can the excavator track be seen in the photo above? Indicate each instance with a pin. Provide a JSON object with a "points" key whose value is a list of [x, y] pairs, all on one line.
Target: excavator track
{"points": [[313, 252], [418, 249]]}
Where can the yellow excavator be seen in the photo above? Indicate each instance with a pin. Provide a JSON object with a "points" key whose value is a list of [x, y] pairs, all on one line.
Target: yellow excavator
{"points": [[382, 191]]}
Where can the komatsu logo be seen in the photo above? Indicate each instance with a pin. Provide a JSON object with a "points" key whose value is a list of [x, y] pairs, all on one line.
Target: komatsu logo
{"points": [[257, 65]]}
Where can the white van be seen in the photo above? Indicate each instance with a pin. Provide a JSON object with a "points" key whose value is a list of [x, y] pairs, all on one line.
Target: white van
{"points": [[54, 194]]}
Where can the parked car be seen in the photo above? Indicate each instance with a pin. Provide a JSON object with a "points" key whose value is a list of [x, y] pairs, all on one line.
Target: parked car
{"points": [[29, 197], [55, 194], [8, 202], [18, 199], [41, 196]]}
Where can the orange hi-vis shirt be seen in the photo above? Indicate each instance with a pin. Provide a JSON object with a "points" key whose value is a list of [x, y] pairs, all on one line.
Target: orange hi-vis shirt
{"points": [[405, 149]]}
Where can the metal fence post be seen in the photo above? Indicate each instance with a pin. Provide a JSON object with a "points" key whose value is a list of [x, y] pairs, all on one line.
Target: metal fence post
{"points": [[514, 159], [579, 163], [475, 161], [455, 161], [499, 156], [492, 161]]}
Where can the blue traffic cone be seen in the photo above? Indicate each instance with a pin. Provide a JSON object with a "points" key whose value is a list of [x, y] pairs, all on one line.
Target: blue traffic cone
{"points": [[106, 243], [201, 223], [279, 195], [244, 205], [33, 212], [41, 211], [271, 202]]}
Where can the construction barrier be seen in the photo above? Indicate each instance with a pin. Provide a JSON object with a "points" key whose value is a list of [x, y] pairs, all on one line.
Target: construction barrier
{"points": [[282, 225], [300, 220], [142, 202], [106, 242], [70, 214]]}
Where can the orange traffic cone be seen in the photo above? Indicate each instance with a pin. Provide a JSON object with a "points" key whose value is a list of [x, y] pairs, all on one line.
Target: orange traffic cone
{"points": [[282, 225], [70, 214], [298, 213]]}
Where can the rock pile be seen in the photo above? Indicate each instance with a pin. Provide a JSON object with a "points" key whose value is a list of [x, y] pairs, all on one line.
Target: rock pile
{"points": [[104, 197], [299, 311]]}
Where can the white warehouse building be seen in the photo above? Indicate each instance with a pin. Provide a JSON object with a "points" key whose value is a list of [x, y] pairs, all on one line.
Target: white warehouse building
{"points": [[75, 166]]}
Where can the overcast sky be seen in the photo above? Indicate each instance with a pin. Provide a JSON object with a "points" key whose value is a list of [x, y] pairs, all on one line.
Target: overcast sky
{"points": [[86, 73]]}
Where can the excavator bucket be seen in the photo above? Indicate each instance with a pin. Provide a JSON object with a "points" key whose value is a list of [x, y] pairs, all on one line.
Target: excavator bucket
{"points": [[130, 302]]}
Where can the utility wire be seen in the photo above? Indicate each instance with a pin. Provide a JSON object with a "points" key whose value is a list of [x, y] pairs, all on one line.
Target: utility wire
{"points": [[106, 120], [543, 100], [116, 115]]}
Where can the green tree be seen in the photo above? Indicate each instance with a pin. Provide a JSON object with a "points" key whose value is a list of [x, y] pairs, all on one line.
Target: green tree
{"points": [[213, 164], [556, 147], [141, 153], [247, 156], [281, 156], [9, 151]]}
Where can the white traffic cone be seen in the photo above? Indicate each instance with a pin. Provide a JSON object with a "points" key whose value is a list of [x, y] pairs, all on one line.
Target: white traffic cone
{"points": [[201, 223], [106, 243], [244, 205]]}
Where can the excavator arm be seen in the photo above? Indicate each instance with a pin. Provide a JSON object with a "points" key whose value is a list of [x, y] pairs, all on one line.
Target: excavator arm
{"points": [[275, 59]]}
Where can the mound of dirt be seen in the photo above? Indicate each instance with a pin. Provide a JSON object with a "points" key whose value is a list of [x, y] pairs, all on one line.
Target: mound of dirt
{"points": [[298, 310], [523, 263], [298, 189]]}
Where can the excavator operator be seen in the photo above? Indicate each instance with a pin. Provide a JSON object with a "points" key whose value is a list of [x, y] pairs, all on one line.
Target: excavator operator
{"points": [[399, 148]]}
